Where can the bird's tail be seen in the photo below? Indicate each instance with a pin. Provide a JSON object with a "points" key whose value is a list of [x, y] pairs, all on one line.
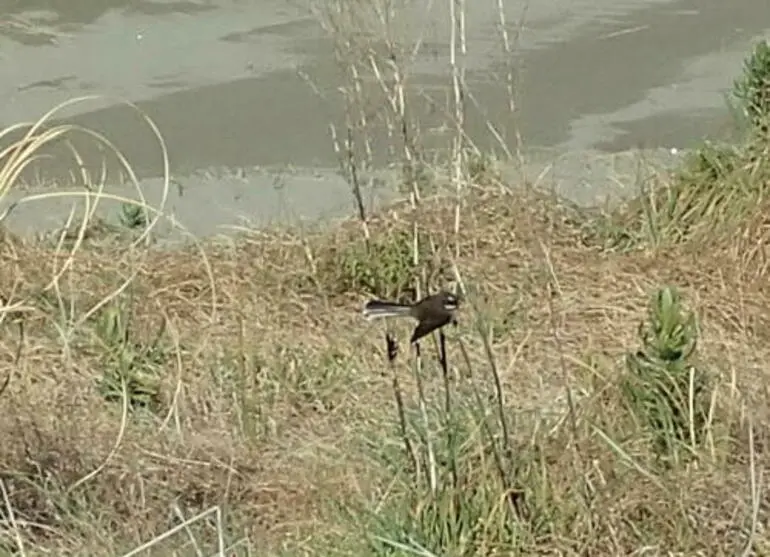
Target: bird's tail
{"points": [[377, 308]]}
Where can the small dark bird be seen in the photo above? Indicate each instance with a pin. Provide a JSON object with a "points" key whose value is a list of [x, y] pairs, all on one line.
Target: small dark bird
{"points": [[431, 312]]}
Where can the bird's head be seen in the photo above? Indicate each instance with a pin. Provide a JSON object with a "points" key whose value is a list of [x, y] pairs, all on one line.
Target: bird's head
{"points": [[449, 301]]}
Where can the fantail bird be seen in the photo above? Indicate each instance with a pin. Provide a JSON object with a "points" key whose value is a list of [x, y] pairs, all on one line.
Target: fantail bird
{"points": [[431, 313]]}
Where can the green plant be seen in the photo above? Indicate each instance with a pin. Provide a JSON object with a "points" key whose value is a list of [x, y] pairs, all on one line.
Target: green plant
{"points": [[132, 216], [449, 496], [383, 266], [711, 163], [714, 188], [129, 365], [455, 474], [752, 88], [664, 389]]}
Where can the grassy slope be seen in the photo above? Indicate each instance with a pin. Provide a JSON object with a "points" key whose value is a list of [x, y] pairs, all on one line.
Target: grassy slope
{"points": [[276, 402]]}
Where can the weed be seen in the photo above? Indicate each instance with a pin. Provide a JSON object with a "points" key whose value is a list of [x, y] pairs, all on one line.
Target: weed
{"points": [[383, 266], [132, 217], [752, 88], [716, 188], [665, 390], [130, 367]]}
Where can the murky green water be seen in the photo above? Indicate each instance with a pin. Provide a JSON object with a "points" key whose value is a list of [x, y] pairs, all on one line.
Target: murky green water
{"points": [[222, 81]]}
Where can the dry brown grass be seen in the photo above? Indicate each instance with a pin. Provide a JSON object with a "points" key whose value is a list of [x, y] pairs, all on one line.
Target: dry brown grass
{"points": [[275, 396]]}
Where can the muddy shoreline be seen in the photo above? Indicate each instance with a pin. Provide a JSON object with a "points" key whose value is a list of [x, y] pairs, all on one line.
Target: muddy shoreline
{"points": [[226, 203]]}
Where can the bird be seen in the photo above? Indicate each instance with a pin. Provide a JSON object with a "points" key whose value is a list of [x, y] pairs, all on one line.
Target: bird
{"points": [[431, 313]]}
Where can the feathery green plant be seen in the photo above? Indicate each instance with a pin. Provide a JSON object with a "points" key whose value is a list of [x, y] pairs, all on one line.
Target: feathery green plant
{"points": [[664, 388], [383, 266], [752, 88], [126, 360]]}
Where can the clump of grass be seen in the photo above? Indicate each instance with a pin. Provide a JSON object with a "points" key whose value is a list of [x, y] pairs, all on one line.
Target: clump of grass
{"points": [[665, 390], [459, 481], [711, 164], [468, 510], [130, 367], [716, 188], [752, 88], [384, 265], [455, 489], [132, 216]]}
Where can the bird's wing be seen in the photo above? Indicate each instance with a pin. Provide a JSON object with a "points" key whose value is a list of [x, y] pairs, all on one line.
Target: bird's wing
{"points": [[428, 325]]}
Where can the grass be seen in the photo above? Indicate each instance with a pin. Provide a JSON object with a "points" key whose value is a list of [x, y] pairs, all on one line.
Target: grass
{"points": [[603, 393], [276, 404]]}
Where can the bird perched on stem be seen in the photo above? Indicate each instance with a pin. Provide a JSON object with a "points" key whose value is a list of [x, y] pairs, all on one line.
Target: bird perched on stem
{"points": [[431, 313]]}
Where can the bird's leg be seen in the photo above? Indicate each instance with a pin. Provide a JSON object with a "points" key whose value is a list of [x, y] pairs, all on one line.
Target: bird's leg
{"points": [[392, 347]]}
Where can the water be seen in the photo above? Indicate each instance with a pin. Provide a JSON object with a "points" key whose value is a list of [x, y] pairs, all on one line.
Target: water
{"points": [[222, 81]]}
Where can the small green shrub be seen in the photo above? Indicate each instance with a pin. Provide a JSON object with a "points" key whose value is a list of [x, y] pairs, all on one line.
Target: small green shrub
{"points": [[126, 360], [665, 390], [752, 88], [384, 266], [132, 217], [710, 163]]}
